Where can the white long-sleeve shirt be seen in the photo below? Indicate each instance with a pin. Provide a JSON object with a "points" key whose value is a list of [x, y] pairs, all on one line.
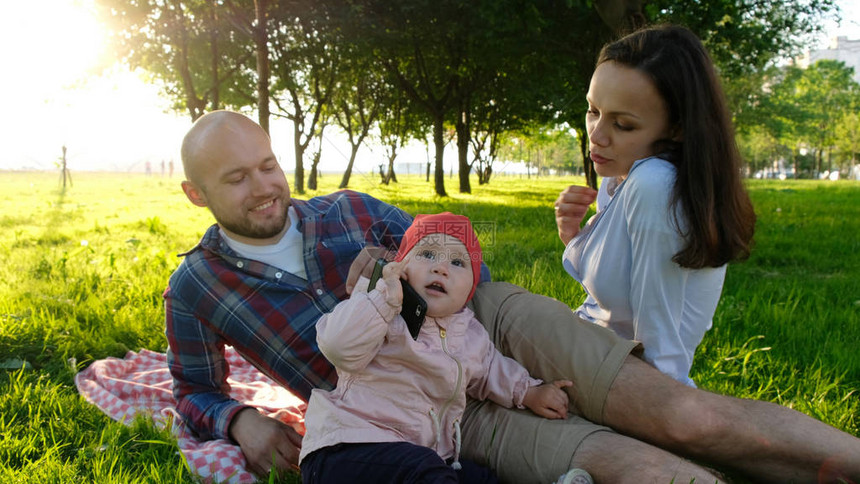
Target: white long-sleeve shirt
{"points": [[623, 259]]}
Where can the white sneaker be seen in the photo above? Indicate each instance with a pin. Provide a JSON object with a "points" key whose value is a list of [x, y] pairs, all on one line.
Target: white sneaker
{"points": [[575, 476]]}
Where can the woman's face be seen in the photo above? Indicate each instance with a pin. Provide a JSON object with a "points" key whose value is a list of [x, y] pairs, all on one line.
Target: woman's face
{"points": [[626, 116]]}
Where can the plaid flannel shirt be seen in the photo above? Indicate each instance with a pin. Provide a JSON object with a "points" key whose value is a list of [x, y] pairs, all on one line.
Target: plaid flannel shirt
{"points": [[216, 298]]}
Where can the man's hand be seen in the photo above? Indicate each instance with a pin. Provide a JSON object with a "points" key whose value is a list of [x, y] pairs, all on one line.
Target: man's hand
{"points": [[266, 443], [391, 274], [570, 208], [548, 400], [363, 264]]}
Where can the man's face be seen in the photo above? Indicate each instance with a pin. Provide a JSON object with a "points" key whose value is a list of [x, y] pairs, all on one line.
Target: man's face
{"points": [[243, 185]]}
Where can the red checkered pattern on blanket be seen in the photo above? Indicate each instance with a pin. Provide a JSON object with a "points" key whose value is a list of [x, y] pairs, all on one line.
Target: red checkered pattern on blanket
{"points": [[140, 383]]}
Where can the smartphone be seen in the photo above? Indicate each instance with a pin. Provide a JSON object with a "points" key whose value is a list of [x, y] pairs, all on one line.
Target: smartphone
{"points": [[414, 307]]}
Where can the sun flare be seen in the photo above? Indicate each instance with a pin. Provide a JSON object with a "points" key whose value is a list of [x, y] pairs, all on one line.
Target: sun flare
{"points": [[62, 42], [65, 92]]}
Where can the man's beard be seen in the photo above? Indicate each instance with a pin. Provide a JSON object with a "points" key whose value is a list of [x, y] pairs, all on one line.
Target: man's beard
{"points": [[247, 228], [256, 231]]}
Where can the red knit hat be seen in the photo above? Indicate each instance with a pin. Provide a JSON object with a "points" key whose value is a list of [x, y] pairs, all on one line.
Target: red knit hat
{"points": [[457, 226]]}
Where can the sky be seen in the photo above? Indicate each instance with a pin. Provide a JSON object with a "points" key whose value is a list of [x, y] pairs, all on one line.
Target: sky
{"points": [[116, 121]]}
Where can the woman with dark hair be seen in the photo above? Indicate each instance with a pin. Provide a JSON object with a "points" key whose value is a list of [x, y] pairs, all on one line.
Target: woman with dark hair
{"points": [[671, 210]]}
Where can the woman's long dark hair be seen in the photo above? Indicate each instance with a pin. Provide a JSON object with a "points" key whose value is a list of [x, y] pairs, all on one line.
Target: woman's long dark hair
{"points": [[720, 216]]}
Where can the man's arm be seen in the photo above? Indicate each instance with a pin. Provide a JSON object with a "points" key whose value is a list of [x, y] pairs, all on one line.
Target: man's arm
{"points": [[199, 369], [195, 358]]}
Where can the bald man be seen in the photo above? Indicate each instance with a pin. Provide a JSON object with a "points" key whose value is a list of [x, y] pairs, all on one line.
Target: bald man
{"points": [[231, 169], [272, 265]]}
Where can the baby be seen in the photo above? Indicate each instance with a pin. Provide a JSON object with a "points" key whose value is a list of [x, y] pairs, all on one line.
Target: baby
{"points": [[395, 414]]}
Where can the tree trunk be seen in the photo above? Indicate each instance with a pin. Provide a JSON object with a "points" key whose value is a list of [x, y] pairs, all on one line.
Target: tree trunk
{"points": [[818, 162], [215, 102], [620, 15], [463, 150], [261, 44], [439, 142], [587, 164], [481, 172], [196, 107], [299, 183], [344, 182], [312, 178], [529, 164], [391, 176], [315, 174], [796, 165]]}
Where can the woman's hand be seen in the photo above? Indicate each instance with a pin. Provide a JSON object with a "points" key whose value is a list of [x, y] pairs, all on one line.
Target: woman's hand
{"points": [[570, 208]]}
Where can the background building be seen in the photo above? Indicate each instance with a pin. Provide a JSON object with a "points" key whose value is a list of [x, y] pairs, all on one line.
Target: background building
{"points": [[840, 49]]}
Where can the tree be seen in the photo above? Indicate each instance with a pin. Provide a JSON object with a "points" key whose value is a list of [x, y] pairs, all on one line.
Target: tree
{"points": [[254, 25], [479, 68], [319, 135], [261, 47], [186, 46], [396, 126], [848, 137], [65, 174], [762, 151], [568, 37], [453, 57], [825, 89], [485, 145], [304, 66], [746, 37], [802, 108], [356, 104], [418, 44]]}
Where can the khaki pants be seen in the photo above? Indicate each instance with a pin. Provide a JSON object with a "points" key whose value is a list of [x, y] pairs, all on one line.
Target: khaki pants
{"points": [[546, 337]]}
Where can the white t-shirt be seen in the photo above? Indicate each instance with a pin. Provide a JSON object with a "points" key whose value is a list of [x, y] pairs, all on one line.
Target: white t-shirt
{"points": [[286, 254], [623, 259]]}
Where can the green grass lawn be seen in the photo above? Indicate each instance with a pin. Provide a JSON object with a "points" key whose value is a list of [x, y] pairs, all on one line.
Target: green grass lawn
{"points": [[82, 272]]}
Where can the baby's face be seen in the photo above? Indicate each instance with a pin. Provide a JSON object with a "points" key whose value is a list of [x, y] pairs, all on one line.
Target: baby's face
{"points": [[439, 268]]}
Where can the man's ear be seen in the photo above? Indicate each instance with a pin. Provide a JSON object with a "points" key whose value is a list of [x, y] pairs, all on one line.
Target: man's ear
{"points": [[194, 193], [677, 134]]}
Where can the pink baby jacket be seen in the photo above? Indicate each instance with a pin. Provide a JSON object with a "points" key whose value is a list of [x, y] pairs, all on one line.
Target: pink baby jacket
{"points": [[392, 388]]}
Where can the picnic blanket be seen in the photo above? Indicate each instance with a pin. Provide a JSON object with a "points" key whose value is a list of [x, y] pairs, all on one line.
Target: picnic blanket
{"points": [[140, 384]]}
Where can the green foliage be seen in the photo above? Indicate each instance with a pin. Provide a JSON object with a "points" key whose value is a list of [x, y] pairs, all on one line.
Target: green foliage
{"points": [[809, 111], [479, 69], [744, 36], [543, 149], [82, 273], [194, 49]]}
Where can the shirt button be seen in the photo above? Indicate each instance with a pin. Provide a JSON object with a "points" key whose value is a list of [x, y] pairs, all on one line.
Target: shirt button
{"points": [[278, 275], [240, 264], [319, 292]]}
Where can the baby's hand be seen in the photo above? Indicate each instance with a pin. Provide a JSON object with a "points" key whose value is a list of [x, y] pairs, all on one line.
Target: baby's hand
{"points": [[391, 275], [548, 400]]}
